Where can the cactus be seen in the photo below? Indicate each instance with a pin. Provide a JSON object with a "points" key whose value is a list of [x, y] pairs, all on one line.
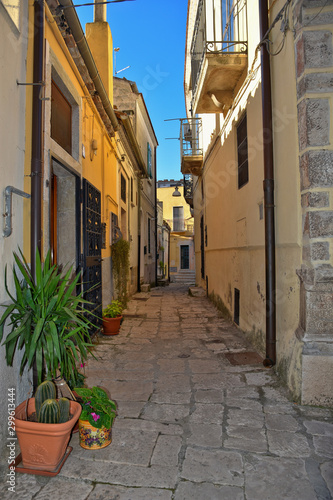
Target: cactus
{"points": [[49, 412], [46, 390], [64, 405]]}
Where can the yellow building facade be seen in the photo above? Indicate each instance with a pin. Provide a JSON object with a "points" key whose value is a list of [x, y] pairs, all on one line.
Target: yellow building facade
{"points": [[177, 214]]}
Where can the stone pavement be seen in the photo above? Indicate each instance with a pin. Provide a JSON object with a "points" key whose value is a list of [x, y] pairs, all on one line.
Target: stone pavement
{"points": [[192, 424]]}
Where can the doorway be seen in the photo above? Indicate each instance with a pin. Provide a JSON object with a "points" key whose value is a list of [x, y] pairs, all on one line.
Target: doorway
{"points": [[185, 257]]}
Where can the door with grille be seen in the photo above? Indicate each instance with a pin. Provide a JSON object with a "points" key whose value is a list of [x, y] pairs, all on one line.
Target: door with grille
{"points": [[92, 251]]}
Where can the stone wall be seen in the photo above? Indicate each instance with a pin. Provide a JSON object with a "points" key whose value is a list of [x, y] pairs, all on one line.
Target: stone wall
{"points": [[314, 62]]}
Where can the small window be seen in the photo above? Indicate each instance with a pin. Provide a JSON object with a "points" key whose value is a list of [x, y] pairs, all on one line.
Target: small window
{"points": [[123, 188], [131, 189], [149, 160], [242, 152], [236, 305], [61, 119], [178, 219]]}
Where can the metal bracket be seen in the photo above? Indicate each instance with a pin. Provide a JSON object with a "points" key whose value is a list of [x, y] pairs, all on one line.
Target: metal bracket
{"points": [[8, 208], [41, 84]]}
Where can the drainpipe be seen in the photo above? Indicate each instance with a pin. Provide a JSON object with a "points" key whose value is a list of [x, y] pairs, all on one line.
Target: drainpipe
{"points": [[139, 233], [37, 131], [155, 195], [268, 192], [36, 142], [82, 44]]}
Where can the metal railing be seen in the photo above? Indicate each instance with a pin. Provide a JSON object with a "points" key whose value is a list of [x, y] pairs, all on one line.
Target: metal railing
{"points": [[190, 137], [188, 187], [222, 32]]}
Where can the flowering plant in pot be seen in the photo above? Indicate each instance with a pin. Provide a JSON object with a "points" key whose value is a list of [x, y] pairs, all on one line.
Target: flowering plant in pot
{"points": [[43, 427], [112, 317], [98, 414]]}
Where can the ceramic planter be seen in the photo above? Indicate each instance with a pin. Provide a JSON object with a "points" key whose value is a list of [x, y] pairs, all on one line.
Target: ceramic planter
{"points": [[92, 438], [43, 445], [111, 326]]}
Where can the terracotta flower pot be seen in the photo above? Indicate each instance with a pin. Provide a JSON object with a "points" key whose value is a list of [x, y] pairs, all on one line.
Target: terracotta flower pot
{"points": [[92, 438], [43, 445], [111, 326]]}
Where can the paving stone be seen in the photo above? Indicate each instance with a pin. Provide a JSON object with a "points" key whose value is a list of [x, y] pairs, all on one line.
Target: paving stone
{"points": [[111, 492], [57, 488], [207, 381], [125, 475], [207, 435], [287, 444], [203, 366], [281, 422], [130, 390], [165, 412], [207, 491], [248, 404], [180, 383], [323, 446], [280, 408], [245, 438], [208, 396], [249, 418], [269, 478], [147, 425], [261, 378], [319, 428], [243, 392], [207, 414], [220, 467], [129, 409], [175, 398], [327, 473], [167, 450], [26, 486], [172, 366]]}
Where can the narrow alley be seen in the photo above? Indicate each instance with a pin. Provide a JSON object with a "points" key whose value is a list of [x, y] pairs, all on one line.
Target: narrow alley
{"points": [[199, 417]]}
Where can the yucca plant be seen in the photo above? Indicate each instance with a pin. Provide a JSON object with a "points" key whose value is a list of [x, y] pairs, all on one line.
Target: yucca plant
{"points": [[47, 320]]}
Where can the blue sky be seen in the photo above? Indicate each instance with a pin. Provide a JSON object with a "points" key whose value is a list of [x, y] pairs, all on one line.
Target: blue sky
{"points": [[151, 37]]}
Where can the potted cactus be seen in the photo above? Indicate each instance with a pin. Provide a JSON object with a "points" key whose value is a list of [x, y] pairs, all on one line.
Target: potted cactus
{"points": [[112, 318], [43, 427]]}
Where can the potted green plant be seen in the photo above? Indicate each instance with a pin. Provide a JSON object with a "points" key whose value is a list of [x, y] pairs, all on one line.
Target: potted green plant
{"points": [[98, 414], [47, 320], [112, 318], [43, 427]]}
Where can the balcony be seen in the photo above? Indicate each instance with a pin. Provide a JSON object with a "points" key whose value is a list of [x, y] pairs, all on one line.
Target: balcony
{"points": [[191, 154], [188, 189], [218, 54]]}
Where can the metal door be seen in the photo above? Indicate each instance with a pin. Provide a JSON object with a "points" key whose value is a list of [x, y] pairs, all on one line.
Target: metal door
{"points": [[185, 257], [92, 251]]}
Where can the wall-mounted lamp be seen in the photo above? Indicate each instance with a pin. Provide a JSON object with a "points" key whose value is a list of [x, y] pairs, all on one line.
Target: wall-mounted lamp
{"points": [[93, 149], [176, 192]]}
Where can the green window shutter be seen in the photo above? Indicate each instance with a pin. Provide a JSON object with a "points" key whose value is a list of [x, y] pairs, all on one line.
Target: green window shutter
{"points": [[149, 160]]}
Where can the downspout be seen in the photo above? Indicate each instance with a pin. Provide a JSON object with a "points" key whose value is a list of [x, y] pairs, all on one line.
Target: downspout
{"points": [[82, 44], [36, 142], [268, 192], [139, 233], [155, 195]]}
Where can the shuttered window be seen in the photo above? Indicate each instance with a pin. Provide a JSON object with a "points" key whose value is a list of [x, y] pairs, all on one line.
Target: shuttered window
{"points": [[61, 119]]}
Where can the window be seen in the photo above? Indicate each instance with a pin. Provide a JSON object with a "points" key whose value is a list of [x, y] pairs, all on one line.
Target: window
{"points": [[123, 188], [61, 119], [178, 218], [149, 160], [131, 189], [236, 305], [243, 166]]}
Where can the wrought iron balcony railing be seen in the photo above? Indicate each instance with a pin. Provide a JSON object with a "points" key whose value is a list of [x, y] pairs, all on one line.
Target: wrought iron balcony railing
{"points": [[221, 31], [188, 189], [191, 152]]}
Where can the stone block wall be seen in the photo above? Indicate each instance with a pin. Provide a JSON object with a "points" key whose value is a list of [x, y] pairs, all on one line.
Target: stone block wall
{"points": [[313, 31]]}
